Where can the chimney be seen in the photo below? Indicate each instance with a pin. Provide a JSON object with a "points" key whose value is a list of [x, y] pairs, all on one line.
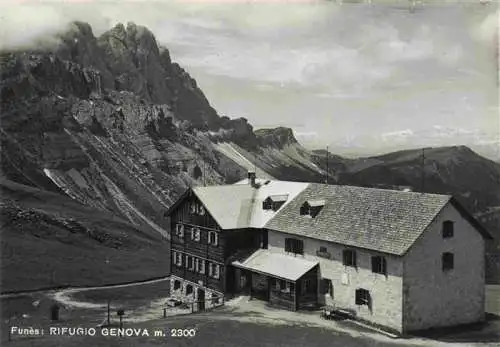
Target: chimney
{"points": [[251, 178]]}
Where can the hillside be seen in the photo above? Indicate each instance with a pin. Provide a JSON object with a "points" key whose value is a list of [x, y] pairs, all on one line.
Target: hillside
{"points": [[457, 170], [49, 240]]}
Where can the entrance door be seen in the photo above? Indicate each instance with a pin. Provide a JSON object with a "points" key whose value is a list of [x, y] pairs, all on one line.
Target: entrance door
{"points": [[201, 299]]}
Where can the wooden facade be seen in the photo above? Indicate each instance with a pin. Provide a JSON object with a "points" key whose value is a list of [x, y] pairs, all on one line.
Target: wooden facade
{"points": [[197, 237], [198, 244]]}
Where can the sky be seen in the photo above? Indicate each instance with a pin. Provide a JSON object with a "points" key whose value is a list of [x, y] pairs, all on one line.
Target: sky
{"points": [[351, 75]]}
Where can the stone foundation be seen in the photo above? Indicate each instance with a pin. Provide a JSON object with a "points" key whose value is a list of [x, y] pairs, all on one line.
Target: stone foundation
{"points": [[188, 292]]}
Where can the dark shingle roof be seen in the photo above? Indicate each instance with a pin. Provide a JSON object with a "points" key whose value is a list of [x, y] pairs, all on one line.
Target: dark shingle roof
{"points": [[383, 220]]}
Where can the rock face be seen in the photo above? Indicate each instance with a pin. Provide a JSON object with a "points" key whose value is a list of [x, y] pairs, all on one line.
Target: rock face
{"points": [[277, 137], [110, 121]]}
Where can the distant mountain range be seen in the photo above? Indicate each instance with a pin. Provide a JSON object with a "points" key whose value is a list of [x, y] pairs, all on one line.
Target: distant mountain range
{"points": [[485, 144], [110, 125]]}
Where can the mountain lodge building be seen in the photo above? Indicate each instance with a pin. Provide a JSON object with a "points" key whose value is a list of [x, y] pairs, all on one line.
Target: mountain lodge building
{"points": [[399, 259]]}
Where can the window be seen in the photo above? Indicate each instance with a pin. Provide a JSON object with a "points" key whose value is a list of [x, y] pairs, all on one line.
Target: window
{"points": [[349, 257], [213, 238], [196, 208], [447, 229], [195, 234], [200, 266], [179, 230], [177, 284], [192, 208], [312, 208], [447, 261], [266, 204], [379, 265], [274, 202], [189, 289], [190, 263], [215, 299], [177, 258], [216, 271], [304, 210], [326, 287], [362, 297], [283, 286], [308, 287], [294, 246], [322, 249]]}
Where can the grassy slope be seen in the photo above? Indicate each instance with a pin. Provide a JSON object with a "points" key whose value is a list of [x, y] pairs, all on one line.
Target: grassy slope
{"points": [[56, 241]]}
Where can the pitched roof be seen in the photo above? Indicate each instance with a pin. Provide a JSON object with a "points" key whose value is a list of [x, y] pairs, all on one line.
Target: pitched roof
{"points": [[387, 221], [278, 198], [276, 264], [383, 220], [316, 203], [240, 205]]}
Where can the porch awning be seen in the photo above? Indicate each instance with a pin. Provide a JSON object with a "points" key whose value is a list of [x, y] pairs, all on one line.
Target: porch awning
{"points": [[276, 265]]}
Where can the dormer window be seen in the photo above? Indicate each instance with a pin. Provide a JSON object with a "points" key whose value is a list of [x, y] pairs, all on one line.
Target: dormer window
{"points": [[447, 229], [274, 202], [311, 208]]}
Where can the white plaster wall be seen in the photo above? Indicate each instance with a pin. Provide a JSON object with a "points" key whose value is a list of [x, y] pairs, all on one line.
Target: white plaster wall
{"points": [[386, 291], [434, 298]]}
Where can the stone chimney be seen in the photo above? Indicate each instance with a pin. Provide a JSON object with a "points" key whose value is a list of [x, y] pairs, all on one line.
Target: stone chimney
{"points": [[251, 178]]}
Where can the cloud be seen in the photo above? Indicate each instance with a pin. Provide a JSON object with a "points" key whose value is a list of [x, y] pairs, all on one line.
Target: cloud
{"points": [[487, 30], [305, 134]]}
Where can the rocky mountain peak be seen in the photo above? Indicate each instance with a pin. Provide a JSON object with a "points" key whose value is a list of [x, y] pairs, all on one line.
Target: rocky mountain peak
{"points": [[276, 137]]}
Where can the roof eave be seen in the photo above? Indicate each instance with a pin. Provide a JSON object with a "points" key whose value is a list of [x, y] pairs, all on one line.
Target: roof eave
{"points": [[471, 219]]}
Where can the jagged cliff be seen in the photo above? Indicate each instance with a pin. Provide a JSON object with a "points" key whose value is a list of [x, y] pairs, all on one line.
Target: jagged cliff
{"points": [[112, 122]]}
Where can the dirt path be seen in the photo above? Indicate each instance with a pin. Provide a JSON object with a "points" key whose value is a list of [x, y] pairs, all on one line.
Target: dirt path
{"points": [[65, 291], [243, 310]]}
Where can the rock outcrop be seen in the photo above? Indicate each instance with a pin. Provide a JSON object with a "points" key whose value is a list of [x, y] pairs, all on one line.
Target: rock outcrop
{"points": [[110, 121], [276, 137]]}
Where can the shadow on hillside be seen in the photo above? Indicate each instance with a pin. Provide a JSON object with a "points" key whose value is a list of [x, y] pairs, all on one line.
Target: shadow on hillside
{"points": [[487, 331]]}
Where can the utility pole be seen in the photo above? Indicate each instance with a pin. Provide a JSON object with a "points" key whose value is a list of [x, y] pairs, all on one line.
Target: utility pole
{"points": [[423, 170], [326, 180], [204, 175], [255, 164]]}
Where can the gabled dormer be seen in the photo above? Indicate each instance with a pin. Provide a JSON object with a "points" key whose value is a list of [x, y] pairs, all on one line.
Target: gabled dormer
{"points": [[311, 208], [274, 202]]}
